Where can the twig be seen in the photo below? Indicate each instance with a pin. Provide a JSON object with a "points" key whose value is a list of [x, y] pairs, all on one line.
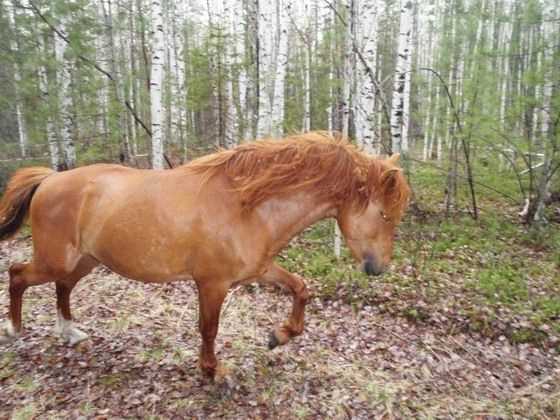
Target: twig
{"points": [[229, 299]]}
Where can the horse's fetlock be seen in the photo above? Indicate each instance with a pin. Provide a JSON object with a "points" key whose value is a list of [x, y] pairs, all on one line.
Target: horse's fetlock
{"points": [[208, 367], [16, 286], [304, 295]]}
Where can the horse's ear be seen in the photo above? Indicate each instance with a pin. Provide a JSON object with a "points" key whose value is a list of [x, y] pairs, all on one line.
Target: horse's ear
{"points": [[394, 159], [389, 179]]}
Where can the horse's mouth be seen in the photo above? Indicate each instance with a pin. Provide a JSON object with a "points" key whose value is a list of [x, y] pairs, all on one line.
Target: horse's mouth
{"points": [[371, 268]]}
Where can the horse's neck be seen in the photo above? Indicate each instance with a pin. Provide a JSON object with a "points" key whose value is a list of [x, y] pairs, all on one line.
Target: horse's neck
{"points": [[288, 216]]}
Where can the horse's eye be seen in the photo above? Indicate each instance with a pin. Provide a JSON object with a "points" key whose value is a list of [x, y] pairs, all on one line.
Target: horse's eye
{"points": [[383, 215]]}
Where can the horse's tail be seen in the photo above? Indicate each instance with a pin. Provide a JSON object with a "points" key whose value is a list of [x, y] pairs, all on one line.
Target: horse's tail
{"points": [[15, 203]]}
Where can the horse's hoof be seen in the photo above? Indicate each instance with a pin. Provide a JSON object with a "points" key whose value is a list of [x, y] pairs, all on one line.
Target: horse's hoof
{"points": [[7, 333], [6, 339], [272, 341], [223, 377], [73, 336]]}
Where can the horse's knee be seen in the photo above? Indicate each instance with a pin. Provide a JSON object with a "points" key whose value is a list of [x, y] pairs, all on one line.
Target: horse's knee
{"points": [[303, 296], [16, 269], [17, 279]]}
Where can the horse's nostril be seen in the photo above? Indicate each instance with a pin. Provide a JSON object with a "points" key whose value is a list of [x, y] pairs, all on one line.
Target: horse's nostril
{"points": [[371, 269]]}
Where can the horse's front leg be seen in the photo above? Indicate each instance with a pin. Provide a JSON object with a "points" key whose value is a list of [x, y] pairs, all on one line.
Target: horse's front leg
{"points": [[294, 324], [211, 296]]}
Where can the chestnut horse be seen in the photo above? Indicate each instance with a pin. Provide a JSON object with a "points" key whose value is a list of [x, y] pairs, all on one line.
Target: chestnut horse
{"points": [[219, 220]]}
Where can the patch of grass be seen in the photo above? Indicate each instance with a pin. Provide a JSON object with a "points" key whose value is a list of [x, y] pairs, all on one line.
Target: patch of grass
{"points": [[152, 355], [26, 384], [503, 284], [88, 409], [25, 413], [527, 335], [120, 324], [7, 361], [550, 307], [113, 380]]}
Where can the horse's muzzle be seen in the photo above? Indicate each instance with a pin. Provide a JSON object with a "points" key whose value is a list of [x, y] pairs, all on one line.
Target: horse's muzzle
{"points": [[371, 268]]}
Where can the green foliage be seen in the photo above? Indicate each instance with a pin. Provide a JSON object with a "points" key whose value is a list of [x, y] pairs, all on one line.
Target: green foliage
{"points": [[503, 284]]}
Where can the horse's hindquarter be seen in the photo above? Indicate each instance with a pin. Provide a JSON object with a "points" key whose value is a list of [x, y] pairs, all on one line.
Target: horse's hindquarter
{"points": [[160, 226], [55, 213]]}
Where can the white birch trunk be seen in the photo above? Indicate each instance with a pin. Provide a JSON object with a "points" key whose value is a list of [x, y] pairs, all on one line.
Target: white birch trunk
{"points": [[348, 69], [283, 7], [399, 120], [103, 96], [132, 97], [230, 133], [54, 151], [449, 85], [538, 93], [549, 140], [22, 127], [505, 46], [64, 80], [436, 138], [307, 90], [177, 65], [346, 96], [265, 76], [156, 84], [365, 90]]}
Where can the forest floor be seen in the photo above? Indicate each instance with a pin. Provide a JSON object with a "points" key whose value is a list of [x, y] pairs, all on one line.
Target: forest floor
{"points": [[356, 358]]}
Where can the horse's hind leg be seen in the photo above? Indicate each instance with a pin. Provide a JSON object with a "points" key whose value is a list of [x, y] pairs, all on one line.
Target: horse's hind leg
{"points": [[65, 327], [21, 277]]}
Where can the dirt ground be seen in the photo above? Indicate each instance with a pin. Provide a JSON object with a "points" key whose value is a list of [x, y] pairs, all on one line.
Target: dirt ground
{"points": [[141, 360]]}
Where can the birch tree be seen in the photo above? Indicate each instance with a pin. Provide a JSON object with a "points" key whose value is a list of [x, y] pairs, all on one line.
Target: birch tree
{"points": [[156, 83], [112, 45], [231, 117], [349, 59], [401, 81], [178, 91], [20, 115], [44, 89], [265, 13], [283, 11], [366, 41], [64, 80]]}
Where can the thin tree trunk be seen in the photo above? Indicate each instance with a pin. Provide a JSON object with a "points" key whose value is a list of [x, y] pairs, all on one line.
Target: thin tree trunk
{"points": [[283, 8], [54, 150], [265, 74], [401, 83], [346, 96], [64, 79], [156, 84], [15, 47], [365, 90]]}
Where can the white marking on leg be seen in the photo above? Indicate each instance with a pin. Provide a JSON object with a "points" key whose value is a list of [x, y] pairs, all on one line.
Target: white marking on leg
{"points": [[68, 330], [7, 332]]}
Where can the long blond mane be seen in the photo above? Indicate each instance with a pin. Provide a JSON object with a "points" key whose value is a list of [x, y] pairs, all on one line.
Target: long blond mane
{"points": [[328, 165]]}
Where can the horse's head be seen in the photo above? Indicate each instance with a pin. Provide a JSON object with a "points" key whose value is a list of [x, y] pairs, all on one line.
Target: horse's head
{"points": [[369, 225]]}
